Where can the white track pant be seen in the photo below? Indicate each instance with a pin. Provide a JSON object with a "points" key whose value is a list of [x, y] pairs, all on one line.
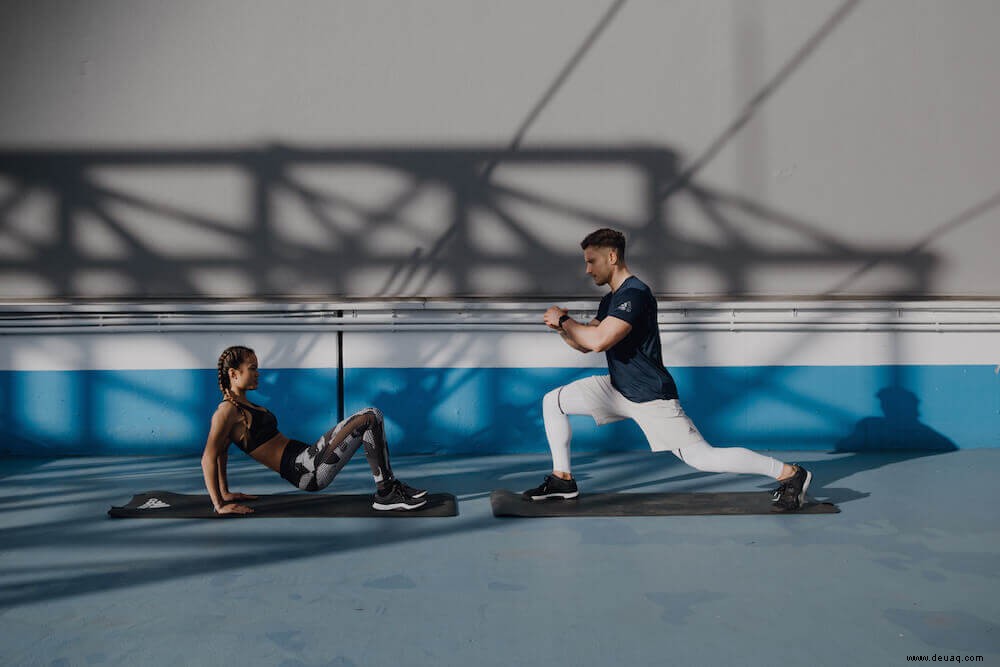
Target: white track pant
{"points": [[664, 423]]}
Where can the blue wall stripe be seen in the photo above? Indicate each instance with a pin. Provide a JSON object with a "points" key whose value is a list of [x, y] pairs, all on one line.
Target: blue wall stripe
{"points": [[498, 410], [47, 413]]}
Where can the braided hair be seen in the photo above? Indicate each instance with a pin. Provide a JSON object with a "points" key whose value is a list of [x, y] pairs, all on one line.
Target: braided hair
{"points": [[233, 357]]}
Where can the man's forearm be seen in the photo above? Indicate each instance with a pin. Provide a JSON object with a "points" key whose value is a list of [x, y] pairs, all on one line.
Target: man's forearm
{"points": [[578, 335], [569, 341]]}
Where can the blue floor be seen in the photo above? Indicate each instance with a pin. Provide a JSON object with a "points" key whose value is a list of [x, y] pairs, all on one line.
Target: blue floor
{"points": [[910, 567]]}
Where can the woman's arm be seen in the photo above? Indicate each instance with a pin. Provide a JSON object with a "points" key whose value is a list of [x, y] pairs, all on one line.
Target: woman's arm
{"points": [[228, 495], [213, 461], [223, 480]]}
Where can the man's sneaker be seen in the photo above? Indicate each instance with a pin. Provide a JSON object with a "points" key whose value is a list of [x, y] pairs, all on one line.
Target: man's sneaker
{"points": [[793, 490], [393, 498], [553, 487]]}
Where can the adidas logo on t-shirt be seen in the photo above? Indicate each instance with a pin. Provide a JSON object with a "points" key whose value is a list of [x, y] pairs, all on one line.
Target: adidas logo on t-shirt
{"points": [[627, 307], [153, 504]]}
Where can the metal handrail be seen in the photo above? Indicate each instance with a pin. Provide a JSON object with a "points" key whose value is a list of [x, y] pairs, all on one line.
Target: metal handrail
{"points": [[373, 316]]}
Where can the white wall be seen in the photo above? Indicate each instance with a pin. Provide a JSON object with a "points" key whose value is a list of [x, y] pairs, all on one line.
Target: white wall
{"points": [[869, 169]]}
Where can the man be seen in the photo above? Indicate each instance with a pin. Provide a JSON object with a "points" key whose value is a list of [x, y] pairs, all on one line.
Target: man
{"points": [[638, 387]]}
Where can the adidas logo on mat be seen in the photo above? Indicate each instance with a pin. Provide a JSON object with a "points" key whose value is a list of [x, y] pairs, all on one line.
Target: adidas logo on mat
{"points": [[153, 504]]}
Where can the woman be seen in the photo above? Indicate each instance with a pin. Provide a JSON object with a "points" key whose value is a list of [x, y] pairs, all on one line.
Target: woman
{"points": [[255, 430]]}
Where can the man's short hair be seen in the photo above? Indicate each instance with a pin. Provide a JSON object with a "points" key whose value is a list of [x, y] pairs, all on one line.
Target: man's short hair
{"points": [[606, 238]]}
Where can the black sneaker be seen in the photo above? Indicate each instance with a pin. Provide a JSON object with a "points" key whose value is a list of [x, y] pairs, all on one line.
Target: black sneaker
{"points": [[393, 498], [553, 487], [793, 490], [410, 491]]}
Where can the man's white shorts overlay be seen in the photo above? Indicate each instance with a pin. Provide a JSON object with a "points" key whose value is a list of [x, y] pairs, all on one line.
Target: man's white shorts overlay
{"points": [[664, 422]]}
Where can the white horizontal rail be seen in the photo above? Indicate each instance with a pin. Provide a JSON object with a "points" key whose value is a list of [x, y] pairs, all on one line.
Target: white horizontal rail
{"points": [[374, 316]]}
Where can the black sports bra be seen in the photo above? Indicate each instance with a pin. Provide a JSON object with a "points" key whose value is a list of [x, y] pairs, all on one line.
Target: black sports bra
{"points": [[263, 427]]}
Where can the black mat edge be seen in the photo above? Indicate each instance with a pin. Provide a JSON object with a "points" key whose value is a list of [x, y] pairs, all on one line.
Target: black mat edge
{"points": [[509, 504], [439, 505]]}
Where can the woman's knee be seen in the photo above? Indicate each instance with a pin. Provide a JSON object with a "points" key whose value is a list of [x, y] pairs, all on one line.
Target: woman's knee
{"points": [[358, 423], [374, 412]]}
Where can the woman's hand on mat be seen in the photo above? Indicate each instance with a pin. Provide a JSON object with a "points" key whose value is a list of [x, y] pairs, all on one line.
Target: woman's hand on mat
{"points": [[238, 496], [234, 509]]}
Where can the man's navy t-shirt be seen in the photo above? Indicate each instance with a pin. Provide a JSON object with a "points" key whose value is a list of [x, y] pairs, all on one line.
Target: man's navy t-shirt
{"points": [[636, 361]]}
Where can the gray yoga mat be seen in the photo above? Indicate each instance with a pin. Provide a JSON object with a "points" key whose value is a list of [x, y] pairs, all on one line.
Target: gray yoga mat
{"points": [[168, 505], [510, 504]]}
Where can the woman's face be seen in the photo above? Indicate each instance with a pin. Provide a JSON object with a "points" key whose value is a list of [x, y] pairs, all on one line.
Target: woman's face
{"points": [[246, 376]]}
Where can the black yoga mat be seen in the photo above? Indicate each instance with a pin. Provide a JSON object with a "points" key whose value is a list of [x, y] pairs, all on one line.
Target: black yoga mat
{"points": [[510, 504], [167, 505]]}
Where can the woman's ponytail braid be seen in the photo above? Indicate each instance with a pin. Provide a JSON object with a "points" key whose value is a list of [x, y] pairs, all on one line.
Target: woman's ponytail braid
{"points": [[232, 357]]}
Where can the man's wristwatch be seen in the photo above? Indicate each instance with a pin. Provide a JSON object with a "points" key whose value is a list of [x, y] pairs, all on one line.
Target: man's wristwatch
{"points": [[563, 319]]}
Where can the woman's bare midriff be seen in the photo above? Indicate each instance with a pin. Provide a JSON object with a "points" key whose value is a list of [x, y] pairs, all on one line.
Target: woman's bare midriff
{"points": [[270, 452]]}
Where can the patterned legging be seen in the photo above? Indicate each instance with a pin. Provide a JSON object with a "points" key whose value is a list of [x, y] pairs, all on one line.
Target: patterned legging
{"points": [[316, 466]]}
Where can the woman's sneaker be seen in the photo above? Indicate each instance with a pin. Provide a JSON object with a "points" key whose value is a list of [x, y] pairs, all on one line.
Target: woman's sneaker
{"points": [[394, 498], [553, 487], [793, 490], [410, 491]]}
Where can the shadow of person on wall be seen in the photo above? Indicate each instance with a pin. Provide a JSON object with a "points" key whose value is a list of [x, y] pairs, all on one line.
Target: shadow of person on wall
{"points": [[897, 436], [899, 429]]}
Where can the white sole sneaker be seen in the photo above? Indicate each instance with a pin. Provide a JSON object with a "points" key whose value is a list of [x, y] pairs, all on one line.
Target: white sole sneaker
{"points": [[564, 496], [400, 505]]}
